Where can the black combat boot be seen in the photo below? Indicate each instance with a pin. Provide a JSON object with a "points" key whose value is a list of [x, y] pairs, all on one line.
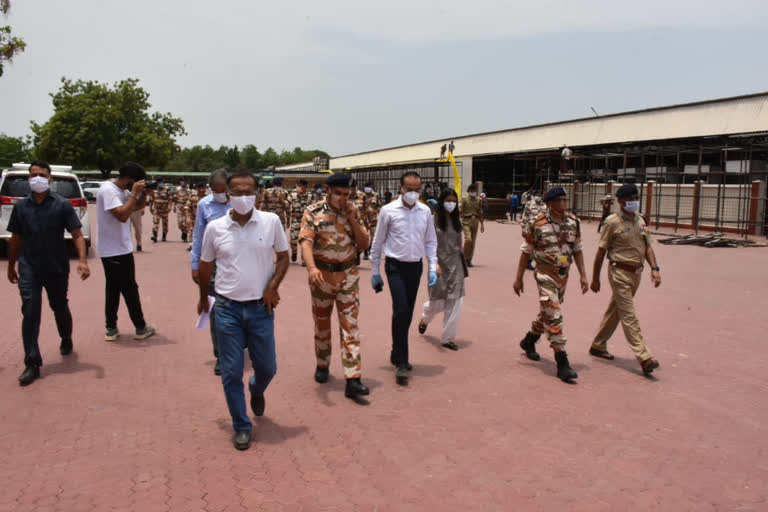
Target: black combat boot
{"points": [[355, 388], [164, 235], [154, 236], [321, 375], [529, 346], [564, 370], [294, 256], [183, 236]]}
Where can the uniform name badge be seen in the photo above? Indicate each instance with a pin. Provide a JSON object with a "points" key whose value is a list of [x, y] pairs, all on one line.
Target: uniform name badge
{"points": [[562, 260]]}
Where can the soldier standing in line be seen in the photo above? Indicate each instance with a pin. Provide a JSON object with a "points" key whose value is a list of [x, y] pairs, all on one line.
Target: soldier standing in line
{"points": [[372, 208], [331, 237], [190, 210], [298, 199], [161, 207], [626, 240], [471, 212], [532, 209], [606, 203], [179, 203], [275, 200], [553, 239]]}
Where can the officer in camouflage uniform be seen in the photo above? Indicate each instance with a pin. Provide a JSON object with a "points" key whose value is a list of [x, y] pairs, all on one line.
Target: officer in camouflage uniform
{"points": [[275, 200], [160, 208], [372, 207], [532, 209], [190, 210], [179, 203], [331, 237], [298, 200], [553, 240]]}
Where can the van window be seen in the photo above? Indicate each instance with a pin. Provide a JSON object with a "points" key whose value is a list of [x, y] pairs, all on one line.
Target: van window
{"points": [[18, 186]]}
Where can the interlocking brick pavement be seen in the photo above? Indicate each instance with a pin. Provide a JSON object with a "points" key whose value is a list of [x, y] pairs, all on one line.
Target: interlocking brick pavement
{"points": [[143, 426]]}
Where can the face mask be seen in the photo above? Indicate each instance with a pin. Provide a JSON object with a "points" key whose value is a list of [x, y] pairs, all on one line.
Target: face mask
{"points": [[278, 189], [449, 206], [243, 204], [537, 199], [632, 206], [39, 184], [411, 197], [368, 190], [473, 194], [220, 197]]}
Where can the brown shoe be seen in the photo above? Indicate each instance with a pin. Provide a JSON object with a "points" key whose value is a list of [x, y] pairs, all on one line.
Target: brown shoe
{"points": [[649, 365], [603, 354]]}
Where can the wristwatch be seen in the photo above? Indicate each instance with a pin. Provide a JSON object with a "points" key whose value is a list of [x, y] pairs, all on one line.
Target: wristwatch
{"points": [[656, 268]]}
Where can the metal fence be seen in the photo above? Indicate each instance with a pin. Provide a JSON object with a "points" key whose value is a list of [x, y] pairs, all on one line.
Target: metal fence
{"points": [[434, 177]]}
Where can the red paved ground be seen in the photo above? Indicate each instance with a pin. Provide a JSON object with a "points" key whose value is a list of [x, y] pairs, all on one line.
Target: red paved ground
{"points": [[144, 426]]}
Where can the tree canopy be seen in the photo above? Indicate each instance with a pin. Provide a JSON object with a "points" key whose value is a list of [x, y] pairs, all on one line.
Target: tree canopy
{"points": [[10, 46], [13, 149], [97, 126]]}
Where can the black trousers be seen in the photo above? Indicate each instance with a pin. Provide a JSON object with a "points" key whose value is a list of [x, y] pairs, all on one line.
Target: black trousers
{"points": [[31, 286], [403, 278], [120, 273]]}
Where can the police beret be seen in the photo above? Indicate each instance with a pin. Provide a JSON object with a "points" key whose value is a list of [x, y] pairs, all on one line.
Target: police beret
{"points": [[554, 193], [303, 182], [338, 179], [626, 190], [277, 181]]}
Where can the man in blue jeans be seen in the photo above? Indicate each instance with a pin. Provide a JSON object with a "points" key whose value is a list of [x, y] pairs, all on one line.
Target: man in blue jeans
{"points": [[243, 243]]}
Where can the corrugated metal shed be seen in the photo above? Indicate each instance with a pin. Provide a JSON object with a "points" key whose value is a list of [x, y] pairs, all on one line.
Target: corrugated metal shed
{"points": [[741, 114]]}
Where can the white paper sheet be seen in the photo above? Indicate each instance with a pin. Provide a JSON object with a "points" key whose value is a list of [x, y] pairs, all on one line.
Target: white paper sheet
{"points": [[205, 316]]}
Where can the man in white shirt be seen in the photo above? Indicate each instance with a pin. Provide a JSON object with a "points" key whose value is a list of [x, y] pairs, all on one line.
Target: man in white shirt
{"points": [[243, 243], [116, 201], [405, 234]]}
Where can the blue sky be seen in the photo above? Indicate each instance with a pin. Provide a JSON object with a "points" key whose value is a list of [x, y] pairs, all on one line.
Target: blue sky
{"points": [[344, 77]]}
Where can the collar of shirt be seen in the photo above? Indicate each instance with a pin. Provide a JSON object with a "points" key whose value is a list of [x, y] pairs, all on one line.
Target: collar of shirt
{"points": [[230, 221]]}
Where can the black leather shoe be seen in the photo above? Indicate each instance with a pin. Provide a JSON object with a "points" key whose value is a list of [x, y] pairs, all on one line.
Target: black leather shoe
{"points": [[242, 439], [138, 248], [407, 365], [258, 404], [422, 327], [66, 347], [293, 257], [451, 345], [321, 375], [217, 368], [528, 344], [603, 354], [469, 264], [29, 375], [401, 375], [355, 388], [183, 237], [564, 370], [164, 235], [154, 237]]}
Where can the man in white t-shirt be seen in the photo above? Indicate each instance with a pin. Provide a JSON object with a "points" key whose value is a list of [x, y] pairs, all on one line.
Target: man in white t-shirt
{"points": [[243, 244], [117, 199]]}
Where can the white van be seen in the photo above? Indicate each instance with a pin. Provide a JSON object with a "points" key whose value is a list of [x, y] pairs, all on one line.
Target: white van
{"points": [[14, 185]]}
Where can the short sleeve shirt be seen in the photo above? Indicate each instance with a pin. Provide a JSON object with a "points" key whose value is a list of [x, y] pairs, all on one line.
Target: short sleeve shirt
{"points": [[244, 254], [41, 228], [625, 238], [114, 237], [331, 234], [470, 206]]}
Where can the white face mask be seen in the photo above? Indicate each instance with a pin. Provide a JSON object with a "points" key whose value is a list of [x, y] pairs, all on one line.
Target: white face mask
{"points": [[632, 206], [449, 206], [368, 190], [39, 184], [537, 199], [411, 197], [243, 204], [473, 194], [220, 197]]}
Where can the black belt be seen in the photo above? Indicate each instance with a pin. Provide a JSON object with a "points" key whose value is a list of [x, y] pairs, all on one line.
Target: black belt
{"points": [[247, 302], [336, 267]]}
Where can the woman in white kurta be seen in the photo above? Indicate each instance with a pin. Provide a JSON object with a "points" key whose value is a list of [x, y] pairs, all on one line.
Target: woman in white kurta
{"points": [[446, 296]]}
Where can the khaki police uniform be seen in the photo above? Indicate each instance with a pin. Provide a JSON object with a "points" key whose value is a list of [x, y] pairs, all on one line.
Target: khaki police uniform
{"points": [[335, 254], [626, 240], [470, 211]]}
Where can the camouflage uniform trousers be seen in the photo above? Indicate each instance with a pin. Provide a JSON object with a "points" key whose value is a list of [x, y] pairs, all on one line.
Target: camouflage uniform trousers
{"points": [[181, 220], [295, 229], [157, 218], [342, 288], [550, 319]]}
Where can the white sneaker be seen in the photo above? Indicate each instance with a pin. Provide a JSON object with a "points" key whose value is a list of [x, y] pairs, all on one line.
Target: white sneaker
{"points": [[112, 335], [146, 332]]}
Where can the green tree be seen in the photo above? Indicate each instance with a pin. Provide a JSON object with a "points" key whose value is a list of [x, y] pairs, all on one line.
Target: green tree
{"points": [[10, 46], [250, 157], [231, 156], [269, 158], [97, 126], [13, 149]]}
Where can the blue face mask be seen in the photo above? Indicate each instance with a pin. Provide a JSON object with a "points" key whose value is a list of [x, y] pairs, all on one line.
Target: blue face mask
{"points": [[632, 206]]}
